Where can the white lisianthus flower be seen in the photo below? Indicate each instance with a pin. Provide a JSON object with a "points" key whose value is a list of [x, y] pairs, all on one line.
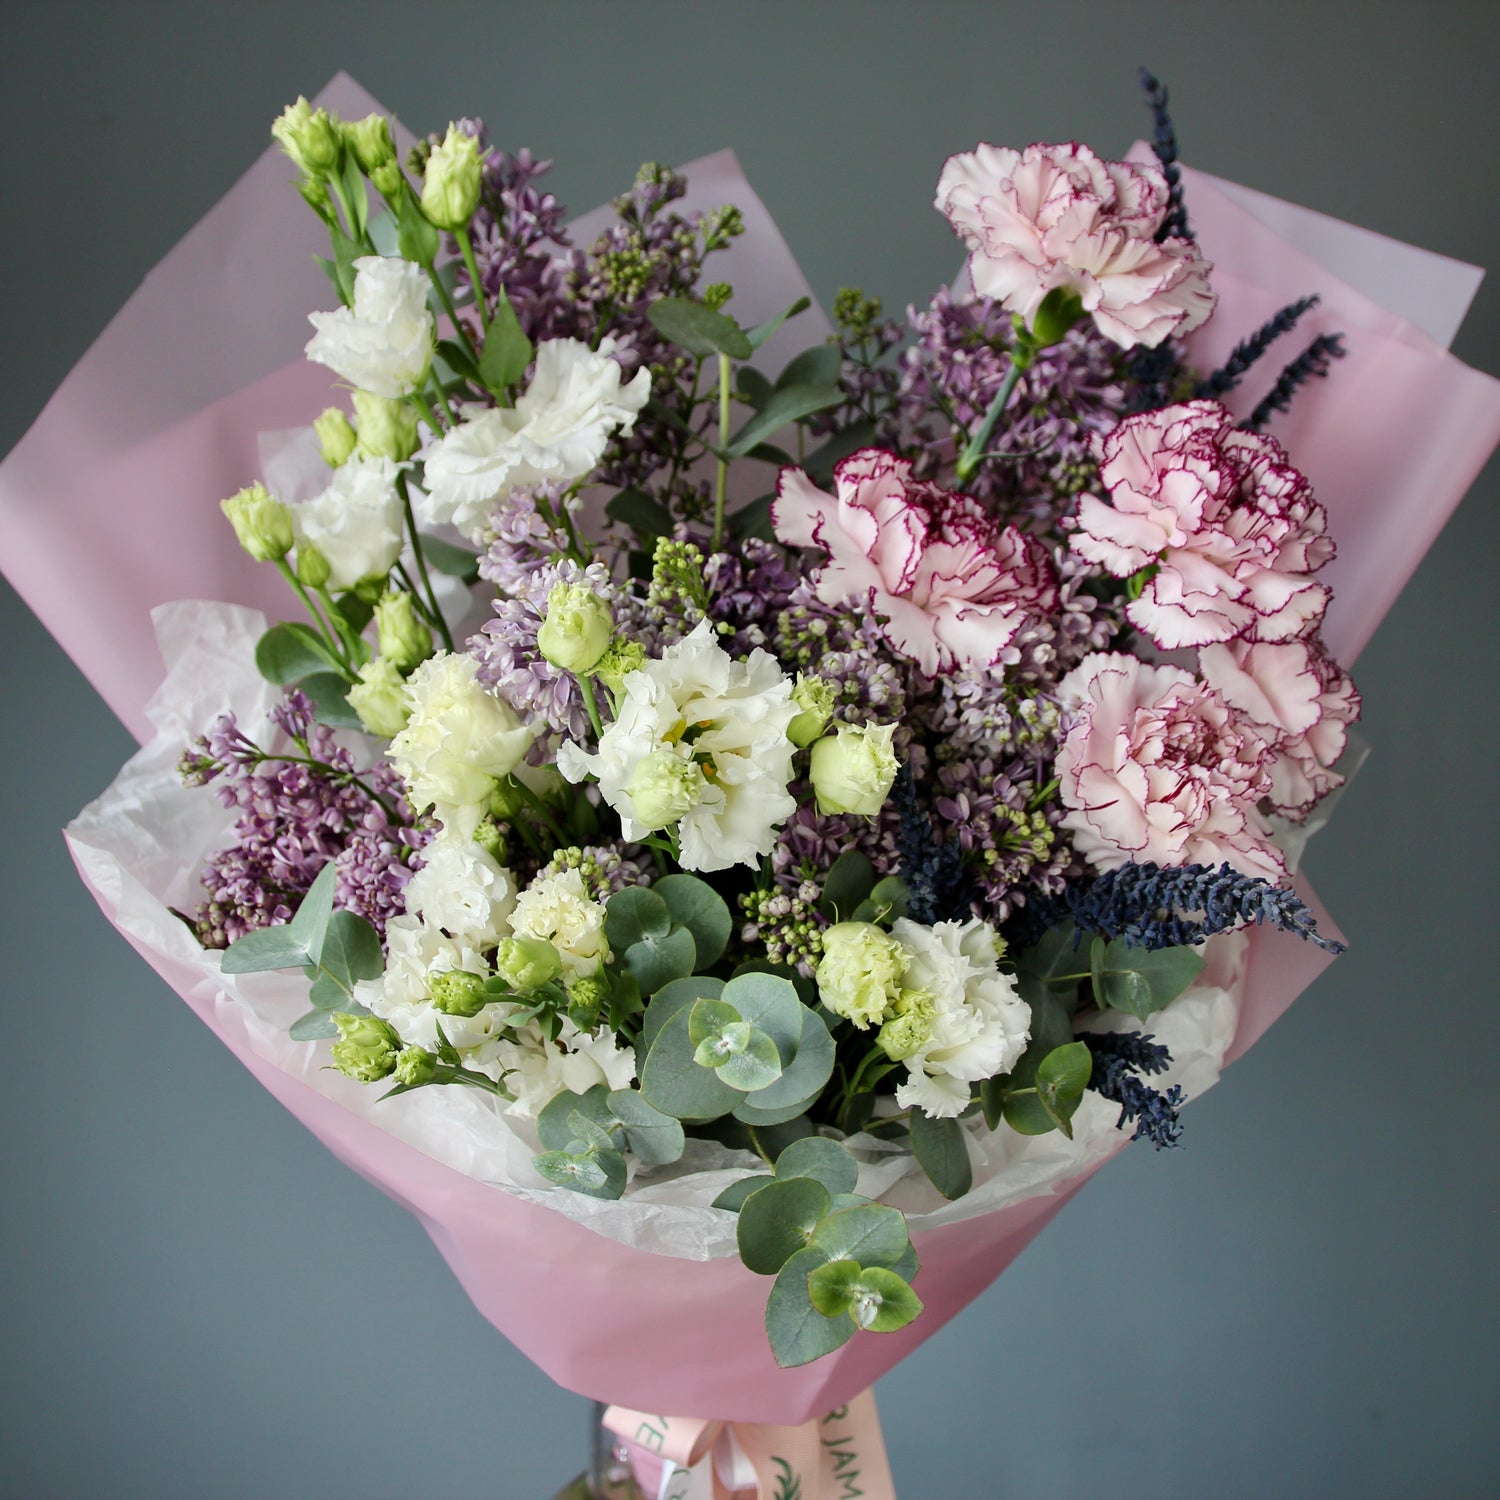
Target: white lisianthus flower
{"points": [[538, 1070], [356, 523], [558, 909], [728, 719], [384, 342], [962, 1021], [557, 430], [462, 889], [458, 740]]}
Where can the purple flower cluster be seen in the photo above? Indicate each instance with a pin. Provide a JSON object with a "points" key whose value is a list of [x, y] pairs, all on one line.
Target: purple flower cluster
{"points": [[299, 808]]}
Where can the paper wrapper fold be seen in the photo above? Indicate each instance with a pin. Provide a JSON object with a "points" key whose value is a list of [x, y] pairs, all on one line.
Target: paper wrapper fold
{"points": [[109, 509]]}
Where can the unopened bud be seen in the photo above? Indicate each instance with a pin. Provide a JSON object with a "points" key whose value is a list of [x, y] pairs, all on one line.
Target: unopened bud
{"points": [[309, 136], [456, 992], [335, 437], [366, 1048], [450, 184], [261, 522]]}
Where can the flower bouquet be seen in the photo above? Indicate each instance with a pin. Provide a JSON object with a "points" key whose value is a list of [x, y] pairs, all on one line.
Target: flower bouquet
{"points": [[750, 821]]}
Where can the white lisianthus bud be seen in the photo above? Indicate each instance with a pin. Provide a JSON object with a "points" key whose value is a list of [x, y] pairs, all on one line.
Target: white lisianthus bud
{"points": [[404, 639], [387, 428], [909, 1027], [370, 141], [450, 185], [860, 972], [356, 523], [312, 566], [384, 342], [814, 699], [852, 770], [379, 698], [621, 659], [664, 788], [577, 628], [261, 522], [309, 136], [526, 963], [335, 437]]}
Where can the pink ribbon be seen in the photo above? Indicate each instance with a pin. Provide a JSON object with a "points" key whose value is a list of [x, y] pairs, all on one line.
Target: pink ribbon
{"points": [[840, 1456]]}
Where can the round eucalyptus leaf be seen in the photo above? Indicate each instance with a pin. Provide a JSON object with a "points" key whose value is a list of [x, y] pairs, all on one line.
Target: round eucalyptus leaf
{"points": [[806, 1072], [770, 1003], [873, 1234], [680, 994], [672, 1081], [798, 1332], [753, 1062], [823, 1160], [635, 913], [778, 1221], [696, 905]]}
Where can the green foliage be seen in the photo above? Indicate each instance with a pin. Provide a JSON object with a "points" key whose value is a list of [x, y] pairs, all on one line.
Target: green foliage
{"points": [[778, 1220], [798, 1332], [849, 883], [291, 651], [673, 1082], [733, 1197], [942, 1152], [1060, 1081], [456, 562], [819, 464], [1139, 980], [820, 365], [634, 913], [657, 960], [646, 516], [888, 900], [762, 331], [698, 329], [696, 905], [818, 1157], [789, 403], [507, 351]]}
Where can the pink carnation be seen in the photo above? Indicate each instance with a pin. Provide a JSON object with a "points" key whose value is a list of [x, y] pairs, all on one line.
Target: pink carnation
{"points": [[949, 583], [1231, 527], [1156, 766], [1301, 700], [1059, 216]]}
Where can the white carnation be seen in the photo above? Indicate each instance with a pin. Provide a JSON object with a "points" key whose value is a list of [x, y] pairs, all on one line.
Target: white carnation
{"points": [[384, 342], [556, 431], [458, 739], [538, 1070], [739, 712], [979, 1023], [559, 910], [463, 890], [356, 523]]}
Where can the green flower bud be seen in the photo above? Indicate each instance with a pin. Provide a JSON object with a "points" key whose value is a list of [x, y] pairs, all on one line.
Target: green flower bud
{"points": [[366, 1048], [387, 428], [261, 522], [457, 993], [309, 136], [379, 698], [527, 963], [909, 1029], [815, 698], [852, 770], [405, 639], [415, 1066], [450, 186], [577, 629], [621, 659], [860, 972], [335, 437], [664, 787], [312, 566], [387, 178], [315, 194], [489, 838], [586, 999], [370, 141]]}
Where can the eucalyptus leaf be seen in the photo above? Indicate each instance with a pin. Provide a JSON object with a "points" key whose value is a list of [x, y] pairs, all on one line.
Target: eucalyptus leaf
{"points": [[292, 944], [942, 1152], [798, 1332], [882, 1301], [696, 905], [672, 1081], [819, 1157], [454, 561], [779, 1220], [655, 961], [771, 1004], [635, 913], [788, 403], [646, 516], [1142, 981], [1058, 953], [680, 994], [830, 1287], [888, 901], [872, 1234], [698, 329], [652, 1136], [552, 1124], [762, 331], [820, 365], [596, 1174], [288, 652], [708, 1019], [805, 1075], [329, 694], [752, 387], [752, 1066], [326, 993], [315, 1026], [733, 1197], [1060, 1081], [819, 464], [350, 949]]}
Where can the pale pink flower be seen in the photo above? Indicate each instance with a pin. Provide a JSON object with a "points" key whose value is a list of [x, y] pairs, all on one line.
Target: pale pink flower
{"points": [[1059, 216], [1230, 527], [1155, 766], [950, 585], [1301, 700]]}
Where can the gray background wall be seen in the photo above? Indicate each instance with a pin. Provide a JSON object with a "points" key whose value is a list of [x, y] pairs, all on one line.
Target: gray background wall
{"points": [[1301, 1303]]}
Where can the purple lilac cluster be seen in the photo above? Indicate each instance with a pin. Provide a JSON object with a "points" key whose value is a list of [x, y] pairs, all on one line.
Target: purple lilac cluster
{"points": [[297, 810]]}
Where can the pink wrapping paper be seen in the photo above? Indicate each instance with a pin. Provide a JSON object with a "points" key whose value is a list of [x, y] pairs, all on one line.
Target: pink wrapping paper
{"points": [[1391, 441]]}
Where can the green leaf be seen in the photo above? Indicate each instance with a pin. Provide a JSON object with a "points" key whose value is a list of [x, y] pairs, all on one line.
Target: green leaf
{"points": [[803, 1079], [818, 1157], [345, 253], [733, 1197], [458, 359], [652, 1136], [351, 949], [655, 961], [1058, 953], [265, 948], [752, 387], [753, 1066], [1025, 1114], [455, 562], [888, 901], [882, 1301], [769, 453], [1142, 981], [315, 1026], [673, 1082], [357, 612], [819, 464], [830, 1288], [708, 1019], [596, 1174], [762, 331], [769, 1141], [587, 1135], [507, 351], [698, 329], [681, 994], [416, 239], [850, 881], [552, 1125], [1060, 1081], [942, 1152], [820, 365], [1051, 1028], [778, 1221], [635, 913], [788, 403], [696, 905], [288, 652], [646, 516], [326, 993], [329, 693], [872, 1234], [770, 1004], [798, 1332]]}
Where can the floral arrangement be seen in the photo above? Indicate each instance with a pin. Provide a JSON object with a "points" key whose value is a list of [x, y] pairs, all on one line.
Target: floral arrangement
{"points": [[696, 762]]}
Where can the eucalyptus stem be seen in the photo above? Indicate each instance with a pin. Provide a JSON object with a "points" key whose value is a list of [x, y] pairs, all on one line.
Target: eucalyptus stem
{"points": [[466, 245], [721, 477], [973, 454], [416, 547]]}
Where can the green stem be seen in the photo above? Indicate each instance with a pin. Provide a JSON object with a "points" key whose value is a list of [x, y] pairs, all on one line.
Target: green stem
{"points": [[587, 685], [974, 453], [352, 644], [721, 476], [466, 245], [537, 806], [330, 637], [452, 311], [429, 416], [416, 546]]}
